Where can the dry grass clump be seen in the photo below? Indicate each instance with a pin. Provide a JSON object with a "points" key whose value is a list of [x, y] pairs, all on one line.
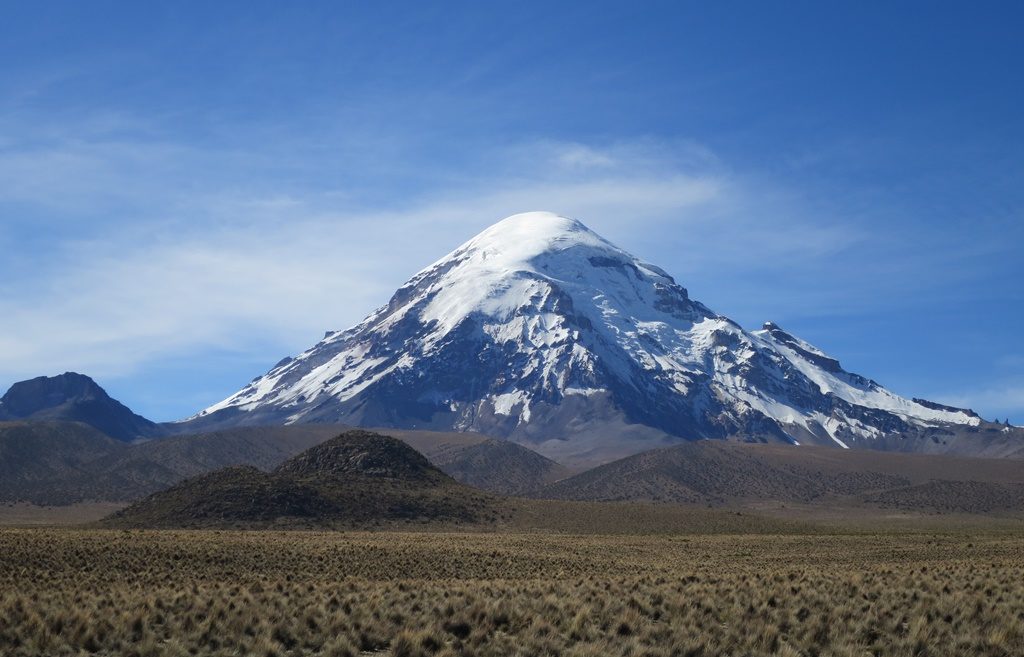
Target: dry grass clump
{"points": [[65, 592]]}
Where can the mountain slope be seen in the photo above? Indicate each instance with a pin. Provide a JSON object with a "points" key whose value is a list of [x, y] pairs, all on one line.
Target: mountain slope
{"points": [[60, 463], [75, 398], [41, 460], [715, 472], [498, 466], [540, 331], [356, 479], [723, 473], [363, 453]]}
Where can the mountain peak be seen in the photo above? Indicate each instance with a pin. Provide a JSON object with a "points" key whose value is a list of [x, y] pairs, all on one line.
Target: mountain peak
{"points": [[364, 453], [540, 330], [27, 397], [538, 220], [530, 262], [538, 230], [74, 397], [514, 243]]}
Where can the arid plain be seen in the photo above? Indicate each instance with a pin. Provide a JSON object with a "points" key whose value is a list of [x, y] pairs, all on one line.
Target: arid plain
{"points": [[628, 580]]}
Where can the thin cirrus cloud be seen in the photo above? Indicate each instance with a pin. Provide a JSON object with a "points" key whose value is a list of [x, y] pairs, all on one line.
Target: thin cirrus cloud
{"points": [[1001, 401], [273, 269], [142, 251]]}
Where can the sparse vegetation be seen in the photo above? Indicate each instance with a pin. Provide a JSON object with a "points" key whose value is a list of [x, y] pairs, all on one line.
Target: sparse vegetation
{"points": [[358, 478], [63, 463], [108, 592]]}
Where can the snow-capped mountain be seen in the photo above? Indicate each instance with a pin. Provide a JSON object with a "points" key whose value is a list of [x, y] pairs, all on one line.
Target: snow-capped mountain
{"points": [[541, 331]]}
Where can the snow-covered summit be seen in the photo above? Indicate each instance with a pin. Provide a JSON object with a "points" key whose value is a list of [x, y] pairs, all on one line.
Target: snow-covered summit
{"points": [[528, 259], [521, 237], [540, 330]]}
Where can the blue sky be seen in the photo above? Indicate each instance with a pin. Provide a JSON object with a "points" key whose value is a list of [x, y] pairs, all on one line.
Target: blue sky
{"points": [[191, 191]]}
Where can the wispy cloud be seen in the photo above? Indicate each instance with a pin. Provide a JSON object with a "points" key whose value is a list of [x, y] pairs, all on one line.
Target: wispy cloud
{"points": [[998, 401], [188, 261], [158, 250]]}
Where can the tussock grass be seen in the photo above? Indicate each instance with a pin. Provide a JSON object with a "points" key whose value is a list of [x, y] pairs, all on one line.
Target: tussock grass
{"points": [[77, 592]]}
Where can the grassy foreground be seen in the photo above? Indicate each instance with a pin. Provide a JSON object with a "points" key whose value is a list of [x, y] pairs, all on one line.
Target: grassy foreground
{"points": [[67, 591]]}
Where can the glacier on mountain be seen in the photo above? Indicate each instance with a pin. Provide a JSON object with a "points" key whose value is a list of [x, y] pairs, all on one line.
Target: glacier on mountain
{"points": [[541, 331]]}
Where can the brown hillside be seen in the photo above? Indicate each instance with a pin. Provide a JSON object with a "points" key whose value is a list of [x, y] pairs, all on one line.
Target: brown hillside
{"points": [[364, 454], [358, 479], [49, 462], [62, 463], [711, 472], [498, 466]]}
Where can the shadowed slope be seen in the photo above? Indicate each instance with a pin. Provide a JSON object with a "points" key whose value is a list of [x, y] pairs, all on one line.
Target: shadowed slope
{"points": [[44, 461], [357, 479], [75, 398], [489, 464], [60, 463], [712, 472], [359, 453]]}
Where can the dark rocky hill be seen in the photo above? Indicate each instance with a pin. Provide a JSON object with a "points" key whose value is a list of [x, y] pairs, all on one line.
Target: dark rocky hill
{"points": [[357, 479], [76, 398], [60, 463], [364, 454]]}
